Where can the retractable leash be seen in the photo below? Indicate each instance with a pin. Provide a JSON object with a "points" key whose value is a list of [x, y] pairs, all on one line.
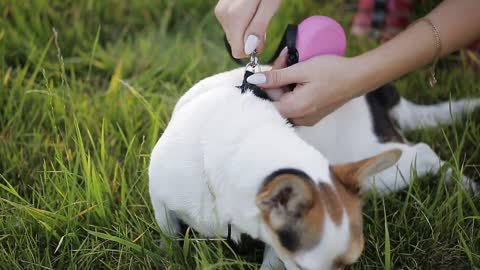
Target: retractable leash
{"points": [[316, 35]]}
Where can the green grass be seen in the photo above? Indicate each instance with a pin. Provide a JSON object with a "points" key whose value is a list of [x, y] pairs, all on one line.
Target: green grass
{"points": [[86, 88]]}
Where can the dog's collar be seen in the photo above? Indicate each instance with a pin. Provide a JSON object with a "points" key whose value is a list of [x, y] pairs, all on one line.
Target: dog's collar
{"points": [[257, 91]]}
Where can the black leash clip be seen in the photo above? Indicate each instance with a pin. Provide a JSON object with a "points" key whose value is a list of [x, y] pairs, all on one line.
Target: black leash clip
{"points": [[289, 41], [253, 64], [250, 69]]}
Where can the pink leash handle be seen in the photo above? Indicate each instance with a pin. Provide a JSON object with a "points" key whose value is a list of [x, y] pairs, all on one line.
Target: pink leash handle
{"points": [[320, 35], [316, 35]]}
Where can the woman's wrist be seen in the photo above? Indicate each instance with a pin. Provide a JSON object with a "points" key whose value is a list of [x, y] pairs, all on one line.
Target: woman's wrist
{"points": [[414, 48], [369, 73], [361, 78]]}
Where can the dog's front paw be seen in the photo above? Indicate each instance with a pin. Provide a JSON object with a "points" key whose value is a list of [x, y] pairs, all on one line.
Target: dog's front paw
{"points": [[467, 183], [476, 186]]}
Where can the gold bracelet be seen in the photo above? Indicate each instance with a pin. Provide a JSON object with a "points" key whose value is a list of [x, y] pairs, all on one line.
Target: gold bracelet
{"points": [[438, 53]]}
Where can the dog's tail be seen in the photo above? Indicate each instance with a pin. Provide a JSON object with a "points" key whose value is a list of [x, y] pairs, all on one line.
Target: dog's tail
{"points": [[409, 115]]}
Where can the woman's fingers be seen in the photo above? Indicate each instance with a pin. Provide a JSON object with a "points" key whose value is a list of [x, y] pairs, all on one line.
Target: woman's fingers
{"points": [[277, 78], [275, 94], [281, 62], [296, 103], [313, 118], [235, 16], [257, 28], [245, 23]]}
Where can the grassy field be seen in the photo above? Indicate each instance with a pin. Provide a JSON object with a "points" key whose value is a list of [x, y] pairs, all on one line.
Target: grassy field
{"points": [[86, 88]]}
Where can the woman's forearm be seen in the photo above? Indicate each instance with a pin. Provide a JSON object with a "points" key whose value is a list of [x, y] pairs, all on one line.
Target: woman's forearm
{"points": [[457, 23]]}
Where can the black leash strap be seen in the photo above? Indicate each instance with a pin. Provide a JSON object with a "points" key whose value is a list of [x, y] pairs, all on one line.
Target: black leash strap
{"points": [[288, 40], [229, 49]]}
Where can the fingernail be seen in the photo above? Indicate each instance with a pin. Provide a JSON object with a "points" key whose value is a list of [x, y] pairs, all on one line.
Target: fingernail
{"points": [[257, 78], [250, 44]]}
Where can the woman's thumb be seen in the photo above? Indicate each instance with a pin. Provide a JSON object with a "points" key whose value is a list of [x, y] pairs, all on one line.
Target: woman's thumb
{"points": [[275, 78]]}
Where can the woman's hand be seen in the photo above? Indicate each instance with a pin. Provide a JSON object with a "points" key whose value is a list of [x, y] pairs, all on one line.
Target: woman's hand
{"points": [[323, 84], [245, 23]]}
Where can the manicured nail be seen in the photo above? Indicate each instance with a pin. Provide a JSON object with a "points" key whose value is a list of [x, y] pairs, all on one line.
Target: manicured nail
{"points": [[250, 44], [257, 78]]}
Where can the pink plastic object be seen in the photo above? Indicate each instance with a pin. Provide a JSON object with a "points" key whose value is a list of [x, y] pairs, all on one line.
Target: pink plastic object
{"points": [[318, 35]]}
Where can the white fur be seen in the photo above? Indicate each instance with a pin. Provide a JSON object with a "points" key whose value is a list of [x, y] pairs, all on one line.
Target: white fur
{"points": [[210, 162], [230, 143], [347, 134]]}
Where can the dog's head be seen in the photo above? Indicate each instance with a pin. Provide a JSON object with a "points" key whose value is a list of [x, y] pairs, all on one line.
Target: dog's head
{"points": [[318, 224]]}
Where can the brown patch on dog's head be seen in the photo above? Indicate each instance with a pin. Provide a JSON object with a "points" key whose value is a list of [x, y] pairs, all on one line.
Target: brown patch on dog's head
{"points": [[294, 208], [287, 199], [352, 203]]}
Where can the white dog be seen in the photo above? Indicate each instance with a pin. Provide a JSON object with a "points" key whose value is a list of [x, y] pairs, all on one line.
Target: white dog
{"points": [[229, 160]]}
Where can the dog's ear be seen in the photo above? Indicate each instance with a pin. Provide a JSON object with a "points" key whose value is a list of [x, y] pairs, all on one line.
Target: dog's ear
{"points": [[285, 198], [354, 174]]}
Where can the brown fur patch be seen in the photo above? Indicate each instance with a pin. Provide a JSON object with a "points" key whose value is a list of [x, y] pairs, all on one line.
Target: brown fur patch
{"points": [[348, 175], [303, 220], [330, 200], [271, 188], [352, 204], [294, 208], [354, 173], [306, 219], [347, 179], [304, 225], [313, 222]]}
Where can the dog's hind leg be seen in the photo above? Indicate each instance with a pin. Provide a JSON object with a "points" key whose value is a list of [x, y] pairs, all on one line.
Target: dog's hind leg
{"points": [[417, 159], [166, 219]]}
